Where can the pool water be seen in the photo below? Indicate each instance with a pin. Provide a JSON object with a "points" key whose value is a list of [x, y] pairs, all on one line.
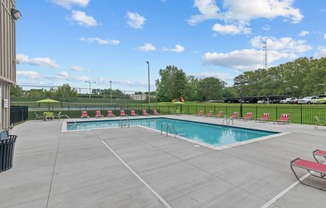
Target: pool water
{"points": [[211, 134]]}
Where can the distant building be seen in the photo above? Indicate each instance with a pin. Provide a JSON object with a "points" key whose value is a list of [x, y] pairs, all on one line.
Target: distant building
{"points": [[141, 97], [8, 16]]}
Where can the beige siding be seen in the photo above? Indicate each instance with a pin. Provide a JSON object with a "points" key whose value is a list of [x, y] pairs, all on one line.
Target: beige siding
{"points": [[7, 58]]}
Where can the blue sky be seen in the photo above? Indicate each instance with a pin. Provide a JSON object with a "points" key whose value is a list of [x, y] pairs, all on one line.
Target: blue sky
{"points": [[73, 41]]}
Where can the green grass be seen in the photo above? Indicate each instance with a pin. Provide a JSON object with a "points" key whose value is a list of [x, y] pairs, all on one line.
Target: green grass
{"points": [[302, 114]]}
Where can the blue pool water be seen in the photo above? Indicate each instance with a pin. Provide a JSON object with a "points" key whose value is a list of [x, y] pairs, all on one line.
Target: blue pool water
{"points": [[211, 134]]}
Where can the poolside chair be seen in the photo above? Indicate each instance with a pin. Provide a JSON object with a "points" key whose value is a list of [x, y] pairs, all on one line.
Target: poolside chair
{"points": [[98, 114], [313, 168], [219, 115], [247, 116], [264, 118], [84, 114], [284, 119], [145, 113], [122, 113], [321, 153], [110, 114], [200, 113], [133, 113], [48, 115], [155, 112], [318, 122], [58, 116], [209, 114], [234, 115], [38, 116]]}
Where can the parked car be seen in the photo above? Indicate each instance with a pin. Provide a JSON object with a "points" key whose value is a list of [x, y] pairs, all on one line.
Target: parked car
{"points": [[292, 100], [308, 100]]}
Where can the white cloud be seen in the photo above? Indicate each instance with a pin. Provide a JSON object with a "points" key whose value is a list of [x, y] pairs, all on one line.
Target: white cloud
{"points": [[82, 19], [241, 12], [285, 44], [47, 62], [147, 47], [77, 68], [245, 11], [135, 20], [28, 74], [320, 53], [246, 59], [69, 3], [208, 10], [325, 36], [231, 29], [304, 33], [100, 41], [177, 49], [63, 74]]}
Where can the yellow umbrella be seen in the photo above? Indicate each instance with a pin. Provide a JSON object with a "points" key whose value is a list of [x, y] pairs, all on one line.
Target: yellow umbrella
{"points": [[48, 101]]}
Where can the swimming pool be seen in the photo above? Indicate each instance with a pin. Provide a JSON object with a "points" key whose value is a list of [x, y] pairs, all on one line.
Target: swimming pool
{"points": [[212, 134]]}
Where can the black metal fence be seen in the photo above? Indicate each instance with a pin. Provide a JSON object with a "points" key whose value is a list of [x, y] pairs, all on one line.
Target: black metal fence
{"points": [[302, 114], [18, 114]]}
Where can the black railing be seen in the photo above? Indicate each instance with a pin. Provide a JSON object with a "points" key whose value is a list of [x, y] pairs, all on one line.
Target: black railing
{"points": [[301, 114], [18, 114]]}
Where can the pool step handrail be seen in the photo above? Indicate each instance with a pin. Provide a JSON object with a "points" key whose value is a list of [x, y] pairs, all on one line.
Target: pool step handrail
{"points": [[121, 122], [227, 120], [169, 128], [69, 119]]}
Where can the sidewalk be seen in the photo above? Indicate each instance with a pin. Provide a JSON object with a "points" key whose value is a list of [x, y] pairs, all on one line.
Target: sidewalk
{"points": [[138, 167]]}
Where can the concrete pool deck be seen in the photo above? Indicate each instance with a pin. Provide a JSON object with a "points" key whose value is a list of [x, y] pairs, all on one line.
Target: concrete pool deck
{"points": [[138, 167]]}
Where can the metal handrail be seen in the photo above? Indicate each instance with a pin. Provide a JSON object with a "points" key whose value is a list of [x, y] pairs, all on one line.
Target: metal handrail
{"points": [[168, 129], [121, 121]]}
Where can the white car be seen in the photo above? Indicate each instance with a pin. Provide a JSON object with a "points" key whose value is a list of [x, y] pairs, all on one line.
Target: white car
{"points": [[308, 100]]}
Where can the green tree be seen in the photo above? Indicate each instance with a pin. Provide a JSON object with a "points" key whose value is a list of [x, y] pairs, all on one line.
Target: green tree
{"points": [[211, 88], [172, 83], [17, 91], [66, 92]]}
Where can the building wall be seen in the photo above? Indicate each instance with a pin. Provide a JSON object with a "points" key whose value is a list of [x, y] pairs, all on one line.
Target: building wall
{"points": [[7, 59]]}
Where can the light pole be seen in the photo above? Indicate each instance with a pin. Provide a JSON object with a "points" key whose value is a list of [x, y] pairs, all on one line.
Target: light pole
{"points": [[149, 88], [240, 82], [90, 88], [111, 91]]}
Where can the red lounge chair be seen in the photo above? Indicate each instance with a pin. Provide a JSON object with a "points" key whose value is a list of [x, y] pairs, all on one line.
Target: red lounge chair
{"points": [[133, 113], [84, 114], [98, 114], [209, 114], [110, 114], [122, 113], [234, 115], [200, 113], [315, 169], [247, 116], [145, 113], [284, 119], [264, 118], [219, 115], [155, 112], [321, 153]]}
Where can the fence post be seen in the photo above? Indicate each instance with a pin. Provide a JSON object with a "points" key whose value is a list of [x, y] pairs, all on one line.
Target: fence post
{"points": [[301, 114], [276, 112]]}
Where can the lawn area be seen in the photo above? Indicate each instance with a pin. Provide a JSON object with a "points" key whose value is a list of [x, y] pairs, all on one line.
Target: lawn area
{"points": [[302, 114]]}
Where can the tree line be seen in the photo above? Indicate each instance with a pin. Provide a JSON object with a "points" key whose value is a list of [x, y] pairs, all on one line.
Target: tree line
{"points": [[299, 78]]}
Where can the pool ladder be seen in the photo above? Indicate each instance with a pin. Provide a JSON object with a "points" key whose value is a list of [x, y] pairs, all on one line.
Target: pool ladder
{"points": [[122, 123], [169, 128], [228, 120]]}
